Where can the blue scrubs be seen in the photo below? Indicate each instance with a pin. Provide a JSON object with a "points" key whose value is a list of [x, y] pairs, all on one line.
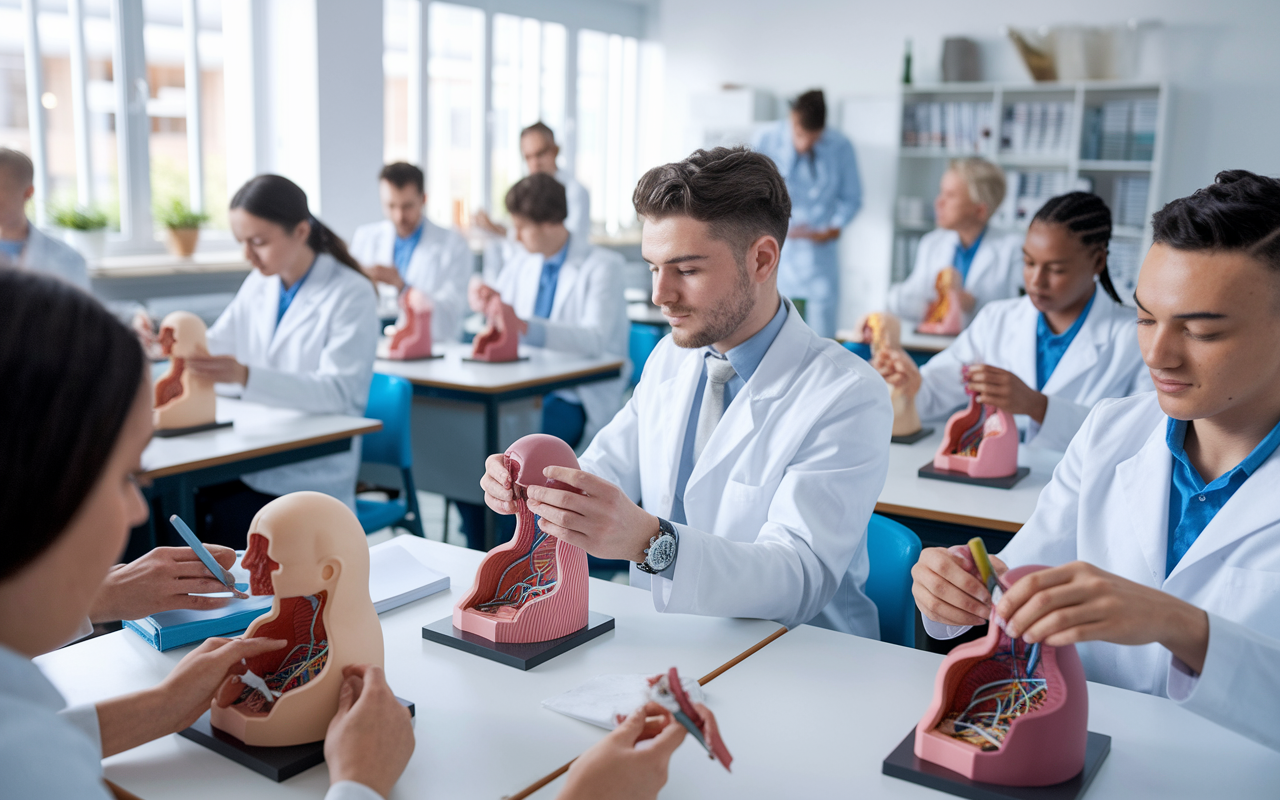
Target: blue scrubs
{"points": [[826, 192], [402, 252]]}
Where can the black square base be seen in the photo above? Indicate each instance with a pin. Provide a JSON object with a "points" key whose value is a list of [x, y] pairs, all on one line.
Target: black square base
{"points": [[277, 763], [912, 438], [520, 656], [903, 764], [1007, 482], [169, 433], [482, 361], [431, 357]]}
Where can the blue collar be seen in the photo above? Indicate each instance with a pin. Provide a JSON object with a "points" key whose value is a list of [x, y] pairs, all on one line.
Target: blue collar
{"points": [[747, 356], [287, 295], [968, 252], [1045, 333], [557, 261], [1176, 436]]}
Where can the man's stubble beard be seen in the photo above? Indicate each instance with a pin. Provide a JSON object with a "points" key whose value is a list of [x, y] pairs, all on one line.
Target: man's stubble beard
{"points": [[722, 320]]}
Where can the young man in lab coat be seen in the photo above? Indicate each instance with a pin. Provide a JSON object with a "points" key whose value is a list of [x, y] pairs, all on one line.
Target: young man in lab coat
{"points": [[756, 447], [21, 243], [1160, 525], [821, 172], [539, 150], [408, 250]]}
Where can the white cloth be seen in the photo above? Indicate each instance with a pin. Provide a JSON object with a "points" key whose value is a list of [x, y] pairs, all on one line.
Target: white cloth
{"points": [[45, 254], [719, 372], [588, 318], [319, 360], [601, 699], [995, 274], [1108, 504], [439, 267], [778, 505], [1103, 360]]}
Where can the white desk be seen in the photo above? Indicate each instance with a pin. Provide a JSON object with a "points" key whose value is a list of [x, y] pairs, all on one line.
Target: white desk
{"points": [[539, 369], [481, 729], [907, 494], [911, 341]]}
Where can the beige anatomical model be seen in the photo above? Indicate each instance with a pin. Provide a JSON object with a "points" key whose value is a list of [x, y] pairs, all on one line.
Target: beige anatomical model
{"points": [[182, 399], [308, 550], [884, 332]]}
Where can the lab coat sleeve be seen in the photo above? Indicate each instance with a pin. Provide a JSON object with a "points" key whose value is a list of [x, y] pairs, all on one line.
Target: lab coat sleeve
{"points": [[849, 196], [595, 333], [1062, 418], [1237, 658], [85, 720], [814, 526], [350, 790], [911, 298], [614, 453], [341, 383], [450, 297]]}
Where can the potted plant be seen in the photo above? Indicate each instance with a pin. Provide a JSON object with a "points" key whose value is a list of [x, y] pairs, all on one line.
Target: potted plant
{"points": [[82, 228], [183, 224]]}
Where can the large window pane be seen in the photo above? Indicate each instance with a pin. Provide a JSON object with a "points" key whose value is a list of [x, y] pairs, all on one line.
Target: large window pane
{"points": [[456, 70], [13, 80], [608, 124], [397, 27], [213, 115]]}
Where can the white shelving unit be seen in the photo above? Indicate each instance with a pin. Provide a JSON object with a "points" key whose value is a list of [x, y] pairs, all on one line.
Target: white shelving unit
{"points": [[1039, 134]]}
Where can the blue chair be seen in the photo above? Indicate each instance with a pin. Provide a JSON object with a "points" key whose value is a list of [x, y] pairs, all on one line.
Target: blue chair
{"points": [[644, 337], [860, 349], [390, 398], [893, 550]]}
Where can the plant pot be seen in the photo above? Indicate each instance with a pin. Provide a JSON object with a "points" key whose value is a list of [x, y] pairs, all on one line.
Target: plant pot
{"points": [[90, 244], [182, 241]]}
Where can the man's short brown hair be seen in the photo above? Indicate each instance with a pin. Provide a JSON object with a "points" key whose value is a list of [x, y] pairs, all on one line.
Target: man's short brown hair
{"points": [[538, 198], [542, 129], [401, 174], [737, 192], [811, 108], [17, 166]]}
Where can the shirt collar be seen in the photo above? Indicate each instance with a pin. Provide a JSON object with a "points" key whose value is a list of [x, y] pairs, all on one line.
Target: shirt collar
{"points": [[973, 248], [292, 291], [1044, 332], [747, 356], [417, 232], [557, 261], [1176, 436]]}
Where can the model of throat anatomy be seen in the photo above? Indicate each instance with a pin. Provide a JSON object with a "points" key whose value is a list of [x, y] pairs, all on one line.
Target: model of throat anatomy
{"points": [[308, 550], [945, 315], [533, 588], [1007, 712], [183, 400], [500, 340], [412, 338], [667, 691], [980, 441], [884, 332]]}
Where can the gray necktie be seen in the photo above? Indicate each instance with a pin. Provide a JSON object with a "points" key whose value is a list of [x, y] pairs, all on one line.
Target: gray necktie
{"points": [[719, 372]]}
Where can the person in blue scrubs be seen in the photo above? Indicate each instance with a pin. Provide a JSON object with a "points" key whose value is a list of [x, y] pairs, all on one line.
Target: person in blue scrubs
{"points": [[821, 171]]}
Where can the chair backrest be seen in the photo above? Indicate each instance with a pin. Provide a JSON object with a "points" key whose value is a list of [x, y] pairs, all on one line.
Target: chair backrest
{"points": [[893, 550], [644, 338], [860, 349], [390, 398]]}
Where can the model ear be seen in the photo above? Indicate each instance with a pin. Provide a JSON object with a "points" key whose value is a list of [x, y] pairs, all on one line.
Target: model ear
{"points": [[331, 569]]}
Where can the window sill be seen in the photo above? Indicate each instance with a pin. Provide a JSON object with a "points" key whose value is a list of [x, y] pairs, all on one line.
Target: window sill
{"points": [[162, 264]]}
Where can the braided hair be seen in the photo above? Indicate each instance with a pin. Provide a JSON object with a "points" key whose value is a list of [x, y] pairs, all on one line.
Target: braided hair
{"points": [[1087, 217]]}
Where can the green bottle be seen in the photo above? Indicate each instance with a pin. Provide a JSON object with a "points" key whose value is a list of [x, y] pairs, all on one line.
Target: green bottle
{"points": [[906, 66]]}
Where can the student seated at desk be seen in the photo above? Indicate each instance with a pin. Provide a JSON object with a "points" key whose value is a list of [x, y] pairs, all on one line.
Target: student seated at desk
{"points": [[1160, 524], [409, 250], [1048, 357], [539, 150], [757, 448], [301, 333], [22, 244]]}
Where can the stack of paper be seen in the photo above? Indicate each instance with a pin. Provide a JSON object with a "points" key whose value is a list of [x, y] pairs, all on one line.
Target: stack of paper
{"points": [[397, 577]]}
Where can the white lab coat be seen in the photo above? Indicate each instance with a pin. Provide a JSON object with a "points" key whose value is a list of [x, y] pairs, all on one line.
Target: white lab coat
{"points": [[43, 253], [1108, 504], [319, 360], [778, 504], [1102, 361], [588, 318], [995, 274], [439, 268]]}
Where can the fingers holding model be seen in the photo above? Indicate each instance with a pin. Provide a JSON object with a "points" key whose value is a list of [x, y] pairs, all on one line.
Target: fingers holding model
{"points": [[598, 517], [371, 738], [616, 769], [946, 587]]}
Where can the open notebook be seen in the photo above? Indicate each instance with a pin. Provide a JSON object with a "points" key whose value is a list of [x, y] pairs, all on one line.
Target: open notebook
{"points": [[396, 577]]}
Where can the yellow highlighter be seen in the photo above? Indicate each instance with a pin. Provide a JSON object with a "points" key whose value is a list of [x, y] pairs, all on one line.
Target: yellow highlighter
{"points": [[983, 561]]}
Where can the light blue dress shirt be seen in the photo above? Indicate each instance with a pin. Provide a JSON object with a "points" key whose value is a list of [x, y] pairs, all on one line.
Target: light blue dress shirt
{"points": [[964, 256], [1192, 503], [12, 250], [404, 247], [536, 336], [1050, 346], [287, 295]]}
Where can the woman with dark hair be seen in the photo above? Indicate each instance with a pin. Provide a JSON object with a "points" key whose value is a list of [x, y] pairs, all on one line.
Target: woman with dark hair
{"points": [[77, 414], [301, 333], [1048, 357]]}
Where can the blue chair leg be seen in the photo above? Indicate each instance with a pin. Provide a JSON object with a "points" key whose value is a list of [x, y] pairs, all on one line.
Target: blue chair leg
{"points": [[411, 505]]}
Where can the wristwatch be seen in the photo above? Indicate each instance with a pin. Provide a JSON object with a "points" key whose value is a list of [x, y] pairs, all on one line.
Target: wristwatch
{"points": [[661, 552]]}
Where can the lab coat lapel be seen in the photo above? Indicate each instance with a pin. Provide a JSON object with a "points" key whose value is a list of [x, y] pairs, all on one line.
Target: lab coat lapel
{"points": [[570, 271], [527, 280], [304, 301], [1020, 343], [386, 249], [675, 402], [1082, 354], [1144, 479]]}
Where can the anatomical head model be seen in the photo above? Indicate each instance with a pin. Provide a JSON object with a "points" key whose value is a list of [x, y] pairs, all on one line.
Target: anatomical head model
{"points": [[412, 339], [884, 332], [500, 340], [980, 440], [944, 315], [309, 550], [183, 400], [1008, 712], [533, 588]]}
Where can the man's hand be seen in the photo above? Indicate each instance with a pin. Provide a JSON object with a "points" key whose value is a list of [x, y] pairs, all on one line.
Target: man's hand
{"points": [[371, 738], [593, 514], [219, 369], [947, 589], [380, 273], [898, 369], [1002, 389], [499, 494], [616, 769], [481, 220], [162, 580], [1079, 602], [479, 294]]}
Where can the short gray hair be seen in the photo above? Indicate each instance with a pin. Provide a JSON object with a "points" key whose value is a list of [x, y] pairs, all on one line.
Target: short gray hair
{"points": [[984, 179], [17, 165]]}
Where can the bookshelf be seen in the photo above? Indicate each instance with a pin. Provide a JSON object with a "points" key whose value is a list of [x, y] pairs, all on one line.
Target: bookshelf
{"points": [[1101, 136]]}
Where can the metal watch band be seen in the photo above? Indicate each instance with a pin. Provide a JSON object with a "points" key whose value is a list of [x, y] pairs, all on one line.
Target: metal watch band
{"points": [[666, 531]]}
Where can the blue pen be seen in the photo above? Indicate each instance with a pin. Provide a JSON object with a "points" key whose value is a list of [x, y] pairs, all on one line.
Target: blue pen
{"points": [[203, 554]]}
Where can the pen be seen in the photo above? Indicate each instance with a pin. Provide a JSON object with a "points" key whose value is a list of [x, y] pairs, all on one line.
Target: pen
{"points": [[203, 554]]}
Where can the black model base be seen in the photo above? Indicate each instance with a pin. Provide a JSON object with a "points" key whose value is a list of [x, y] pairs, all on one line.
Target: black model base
{"points": [[520, 656], [419, 358], [483, 361], [1007, 482], [169, 433], [912, 438], [902, 763], [277, 763]]}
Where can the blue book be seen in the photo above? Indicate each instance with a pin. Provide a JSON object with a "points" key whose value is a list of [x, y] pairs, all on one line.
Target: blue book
{"points": [[181, 627]]}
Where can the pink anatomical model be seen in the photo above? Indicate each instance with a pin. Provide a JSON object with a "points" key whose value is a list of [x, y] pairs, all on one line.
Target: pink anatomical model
{"points": [[533, 588], [944, 315], [667, 691], [412, 339], [183, 400], [309, 550], [1008, 712], [500, 340], [980, 441]]}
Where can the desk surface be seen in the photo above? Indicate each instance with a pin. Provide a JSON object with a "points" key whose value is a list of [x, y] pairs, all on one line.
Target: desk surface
{"points": [[481, 729], [451, 372], [259, 430], [922, 342], [907, 494]]}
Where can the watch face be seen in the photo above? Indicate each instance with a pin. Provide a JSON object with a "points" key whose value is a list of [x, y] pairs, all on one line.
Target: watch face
{"points": [[662, 553]]}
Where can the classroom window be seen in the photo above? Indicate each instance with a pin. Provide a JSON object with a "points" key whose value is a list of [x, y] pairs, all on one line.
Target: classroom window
{"points": [[13, 77], [455, 67], [397, 28]]}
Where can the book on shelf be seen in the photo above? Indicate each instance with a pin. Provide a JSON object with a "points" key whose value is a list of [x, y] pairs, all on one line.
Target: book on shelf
{"points": [[1120, 130], [1129, 207], [1036, 129], [959, 128]]}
